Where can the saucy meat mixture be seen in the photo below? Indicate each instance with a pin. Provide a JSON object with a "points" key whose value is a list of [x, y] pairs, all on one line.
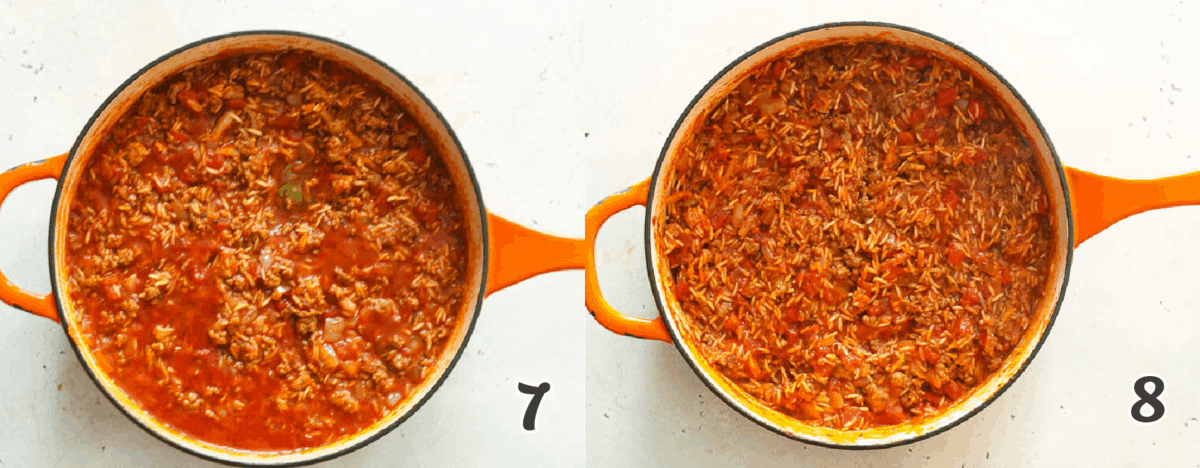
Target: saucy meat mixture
{"points": [[265, 253], [856, 235]]}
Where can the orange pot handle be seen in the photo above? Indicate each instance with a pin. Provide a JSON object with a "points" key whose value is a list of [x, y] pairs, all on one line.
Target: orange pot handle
{"points": [[614, 321], [37, 304], [1098, 202], [525, 253]]}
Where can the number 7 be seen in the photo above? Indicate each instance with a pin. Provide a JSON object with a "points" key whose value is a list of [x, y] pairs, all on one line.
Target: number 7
{"points": [[531, 411]]}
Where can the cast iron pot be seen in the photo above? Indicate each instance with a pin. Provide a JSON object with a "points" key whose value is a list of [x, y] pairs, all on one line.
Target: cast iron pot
{"points": [[501, 253], [1083, 205]]}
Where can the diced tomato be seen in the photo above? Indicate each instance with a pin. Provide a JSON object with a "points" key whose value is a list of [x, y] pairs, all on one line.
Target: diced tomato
{"points": [[718, 219], [777, 69], [892, 272], [157, 151], [186, 176], [856, 132], [834, 142], [894, 414], [916, 116], [427, 212], [970, 297], [975, 110], [861, 298], [930, 355], [1005, 275], [950, 197], [731, 323], [875, 309], [682, 291], [739, 301], [947, 96], [190, 98], [140, 124], [906, 138], [952, 389], [341, 75], [835, 400], [236, 104], [822, 370], [963, 326], [955, 256], [685, 241], [986, 341], [890, 331], [291, 61], [929, 135], [215, 161], [919, 61], [197, 126], [976, 156], [810, 283], [792, 313], [417, 155], [809, 410], [861, 332], [1008, 151], [195, 102], [833, 295], [721, 153], [806, 205], [285, 121]]}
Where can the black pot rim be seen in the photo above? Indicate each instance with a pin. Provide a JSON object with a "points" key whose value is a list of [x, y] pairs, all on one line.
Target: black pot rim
{"points": [[654, 278], [59, 301]]}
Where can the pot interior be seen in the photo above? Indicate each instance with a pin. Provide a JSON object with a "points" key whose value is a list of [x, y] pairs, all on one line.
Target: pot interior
{"points": [[431, 123], [1053, 178]]}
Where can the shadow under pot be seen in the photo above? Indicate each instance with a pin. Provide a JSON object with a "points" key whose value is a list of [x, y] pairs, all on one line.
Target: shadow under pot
{"points": [[257, 212], [858, 235]]}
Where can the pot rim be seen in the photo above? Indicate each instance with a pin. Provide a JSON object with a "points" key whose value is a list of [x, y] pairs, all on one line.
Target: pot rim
{"points": [[655, 280], [193, 447]]}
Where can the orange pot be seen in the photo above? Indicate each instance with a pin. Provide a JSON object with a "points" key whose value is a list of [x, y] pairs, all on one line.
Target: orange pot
{"points": [[502, 253], [1083, 205]]}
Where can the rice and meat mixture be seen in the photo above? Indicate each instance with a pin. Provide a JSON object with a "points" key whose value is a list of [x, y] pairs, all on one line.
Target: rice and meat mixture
{"points": [[266, 253], [857, 235]]}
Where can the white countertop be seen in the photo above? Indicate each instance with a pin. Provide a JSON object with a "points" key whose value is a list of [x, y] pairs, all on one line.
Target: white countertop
{"points": [[1118, 90], [496, 75]]}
